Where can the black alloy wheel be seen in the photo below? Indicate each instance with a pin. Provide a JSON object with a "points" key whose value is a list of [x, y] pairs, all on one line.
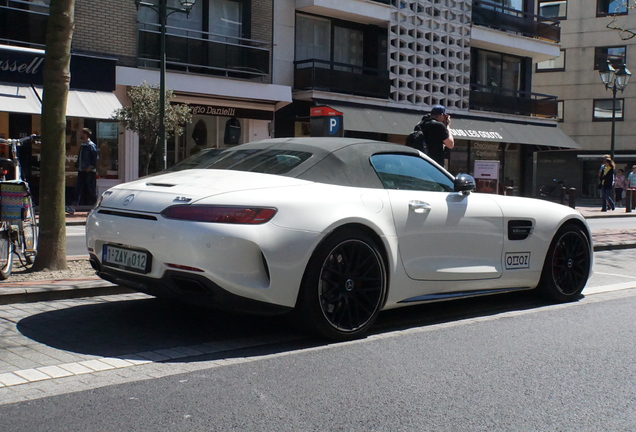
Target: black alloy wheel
{"points": [[344, 287], [567, 265]]}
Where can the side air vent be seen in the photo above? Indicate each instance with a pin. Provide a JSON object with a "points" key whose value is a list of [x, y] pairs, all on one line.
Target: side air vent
{"points": [[128, 215], [519, 229]]}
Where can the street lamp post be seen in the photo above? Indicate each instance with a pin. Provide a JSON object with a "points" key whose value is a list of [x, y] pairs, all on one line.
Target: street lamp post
{"points": [[614, 80], [163, 10]]}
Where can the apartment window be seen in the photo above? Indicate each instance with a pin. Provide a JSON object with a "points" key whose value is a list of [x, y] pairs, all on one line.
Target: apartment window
{"points": [[225, 18], [23, 23], [553, 9], [313, 39], [611, 7], [497, 71], [616, 55], [603, 109], [512, 4], [348, 47], [176, 23], [552, 65]]}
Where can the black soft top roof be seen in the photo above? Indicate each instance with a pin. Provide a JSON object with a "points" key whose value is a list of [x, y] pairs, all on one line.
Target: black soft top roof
{"points": [[339, 161]]}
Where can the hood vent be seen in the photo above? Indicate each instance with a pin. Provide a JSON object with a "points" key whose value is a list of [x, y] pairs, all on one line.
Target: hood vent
{"points": [[160, 184]]}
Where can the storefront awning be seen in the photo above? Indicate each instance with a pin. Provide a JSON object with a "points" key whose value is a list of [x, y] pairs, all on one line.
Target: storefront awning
{"points": [[25, 99], [377, 120], [90, 104], [19, 98], [401, 123]]}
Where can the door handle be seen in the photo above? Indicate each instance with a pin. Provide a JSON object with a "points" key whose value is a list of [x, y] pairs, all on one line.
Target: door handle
{"points": [[419, 206]]}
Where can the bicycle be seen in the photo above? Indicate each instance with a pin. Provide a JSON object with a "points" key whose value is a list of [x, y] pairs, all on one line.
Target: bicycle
{"points": [[18, 227]]}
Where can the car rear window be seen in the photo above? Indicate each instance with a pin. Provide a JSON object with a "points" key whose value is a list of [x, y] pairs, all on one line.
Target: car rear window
{"points": [[261, 161]]}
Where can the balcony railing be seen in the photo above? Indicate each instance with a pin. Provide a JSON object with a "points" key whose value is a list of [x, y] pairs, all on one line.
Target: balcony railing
{"points": [[314, 74], [494, 99], [511, 20], [205, 53], [23, 23]]}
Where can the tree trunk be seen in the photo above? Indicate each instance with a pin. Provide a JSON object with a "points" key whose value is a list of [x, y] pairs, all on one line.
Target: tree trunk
{"points": [[57, 76]]}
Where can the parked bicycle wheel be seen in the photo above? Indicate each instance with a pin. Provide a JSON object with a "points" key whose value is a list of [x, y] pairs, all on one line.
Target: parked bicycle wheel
{"points": [[6, 252], [29, 237]]}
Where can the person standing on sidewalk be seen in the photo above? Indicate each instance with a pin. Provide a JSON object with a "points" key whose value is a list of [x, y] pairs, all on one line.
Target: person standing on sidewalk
{"points": [[86, 170], [631, 185], [607, 184], [620, 185]]}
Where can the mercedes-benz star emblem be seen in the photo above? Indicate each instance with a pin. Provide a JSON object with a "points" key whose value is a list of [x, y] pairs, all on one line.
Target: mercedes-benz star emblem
{"points": [[349, 285], [129, 199]]}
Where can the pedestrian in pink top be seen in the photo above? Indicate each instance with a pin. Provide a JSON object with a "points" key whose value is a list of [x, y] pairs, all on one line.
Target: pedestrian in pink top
{"points": [[620, 185]]}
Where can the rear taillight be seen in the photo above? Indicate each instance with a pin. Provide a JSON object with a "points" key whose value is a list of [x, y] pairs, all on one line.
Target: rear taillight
{"points": [[220, 214]]}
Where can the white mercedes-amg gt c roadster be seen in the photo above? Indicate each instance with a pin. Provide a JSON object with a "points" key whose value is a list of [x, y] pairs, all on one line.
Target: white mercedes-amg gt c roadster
{"points": [[335, 229]]}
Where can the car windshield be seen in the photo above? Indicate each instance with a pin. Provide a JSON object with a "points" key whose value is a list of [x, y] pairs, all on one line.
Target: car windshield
{"points": [[408, 172], [262, 161]]}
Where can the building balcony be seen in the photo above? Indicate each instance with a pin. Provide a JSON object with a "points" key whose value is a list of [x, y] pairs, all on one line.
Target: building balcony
{"points": [[511, 20], [23, 24], [486, 98], [205, 53], [377, 12], [343, 78]]}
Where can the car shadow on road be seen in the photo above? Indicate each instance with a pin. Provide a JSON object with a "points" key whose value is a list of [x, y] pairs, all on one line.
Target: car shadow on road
{"points": [[134, 328]]}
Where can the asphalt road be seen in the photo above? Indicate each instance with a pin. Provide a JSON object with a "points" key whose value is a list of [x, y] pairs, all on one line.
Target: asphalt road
{"points": [[76, 240], [502, 363], [508, 367]]}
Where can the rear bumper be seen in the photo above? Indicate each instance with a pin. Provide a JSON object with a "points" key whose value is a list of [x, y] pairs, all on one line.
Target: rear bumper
{"points": [[187, 287]]}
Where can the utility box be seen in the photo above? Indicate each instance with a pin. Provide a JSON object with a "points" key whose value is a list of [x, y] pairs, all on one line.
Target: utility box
{"points": [[326, 122]]}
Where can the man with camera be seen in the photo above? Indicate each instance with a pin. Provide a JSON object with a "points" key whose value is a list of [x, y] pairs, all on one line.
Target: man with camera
{"points": [[437, 135]]}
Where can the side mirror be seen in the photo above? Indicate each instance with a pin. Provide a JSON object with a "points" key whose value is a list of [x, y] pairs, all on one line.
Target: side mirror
{"points": [[464, 183]]}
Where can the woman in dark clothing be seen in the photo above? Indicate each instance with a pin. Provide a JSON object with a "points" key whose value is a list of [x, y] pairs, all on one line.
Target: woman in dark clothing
{"points": [[607, 183]]}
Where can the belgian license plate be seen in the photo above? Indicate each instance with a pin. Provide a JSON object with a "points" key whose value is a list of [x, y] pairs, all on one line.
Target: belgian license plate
{"points": [[126, 259]]}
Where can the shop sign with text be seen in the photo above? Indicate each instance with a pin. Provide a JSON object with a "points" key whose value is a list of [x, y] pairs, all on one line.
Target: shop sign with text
{"points": [[224, 111], [471, 133]]}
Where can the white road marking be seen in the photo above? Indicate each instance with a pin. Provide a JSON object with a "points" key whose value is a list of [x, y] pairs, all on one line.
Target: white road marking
{"points": [[615, 274]]}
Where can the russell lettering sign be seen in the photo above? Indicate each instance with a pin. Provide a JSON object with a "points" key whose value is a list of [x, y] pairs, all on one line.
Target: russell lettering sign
{"points": [[87, 72], [21, 67]]}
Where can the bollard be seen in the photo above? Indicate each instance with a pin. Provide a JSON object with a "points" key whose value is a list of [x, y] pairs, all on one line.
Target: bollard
{"points": [[629, 198], [572, 197], [562, 195]]}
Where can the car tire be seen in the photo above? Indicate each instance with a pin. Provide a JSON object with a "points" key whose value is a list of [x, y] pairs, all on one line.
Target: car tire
{"points": [[567, 265], [344, 286]]}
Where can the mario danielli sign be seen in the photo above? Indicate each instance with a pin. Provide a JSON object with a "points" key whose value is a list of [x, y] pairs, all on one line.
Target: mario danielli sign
{"points": [[326, 122], [227, 111]]}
